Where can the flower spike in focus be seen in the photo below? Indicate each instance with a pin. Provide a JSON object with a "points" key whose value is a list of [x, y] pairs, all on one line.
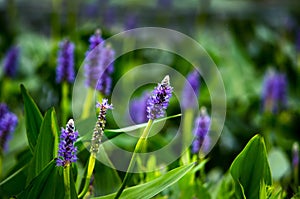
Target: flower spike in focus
{"points": [[159, 100], [67, 150]]}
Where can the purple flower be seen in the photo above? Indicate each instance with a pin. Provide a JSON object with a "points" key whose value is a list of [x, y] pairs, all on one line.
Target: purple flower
{"points": [[131, 22], [11, 61], [274, 93], [158, 102], [95, 40], [188, 95], [65, 62], [99, 65], [8, 123], [201, 129], [138, 109], [100, 125], [295, 155], [67, 150]]}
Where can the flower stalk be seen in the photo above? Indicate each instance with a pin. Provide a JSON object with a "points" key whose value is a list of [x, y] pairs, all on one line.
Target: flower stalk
{"points": [[156, 105], [95, 142]]}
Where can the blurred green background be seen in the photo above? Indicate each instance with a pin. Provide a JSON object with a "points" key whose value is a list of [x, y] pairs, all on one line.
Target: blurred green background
{"points": [[244, 38]]}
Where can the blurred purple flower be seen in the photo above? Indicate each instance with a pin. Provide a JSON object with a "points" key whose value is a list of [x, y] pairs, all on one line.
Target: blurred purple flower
{"points": [[65, 62], [67, 150], [100, 125], [8, 123], [295, 155], [274, 92], [11, 61], [138, 109], [131, 22], [99, 64], [158, 102], [188, 95], [201, 129]]}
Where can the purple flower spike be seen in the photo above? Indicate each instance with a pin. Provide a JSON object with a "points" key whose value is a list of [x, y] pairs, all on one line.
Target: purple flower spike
{"points": [[100, 125], [65, 62], [159, 100], [201, 129], [138, 109], [99, 65], [274, 93], [11, 61], [95, 40], [8, 123], [67, 150], [295, 155], [188, 95]]}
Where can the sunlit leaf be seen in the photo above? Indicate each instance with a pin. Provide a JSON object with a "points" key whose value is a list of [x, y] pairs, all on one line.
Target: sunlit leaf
{"points": [[46, 147], [152, 188], [250, 169], [33, 118]]}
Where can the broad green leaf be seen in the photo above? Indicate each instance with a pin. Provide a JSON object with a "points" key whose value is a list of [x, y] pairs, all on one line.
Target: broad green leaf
{"points": [[102, 172], [49, 184], [250, 169], [15, 183], [46, 147], [33, 118], [152, 188]]}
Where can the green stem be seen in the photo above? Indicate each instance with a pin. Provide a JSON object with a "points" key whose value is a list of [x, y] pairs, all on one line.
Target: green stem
{"points": [[187, 134], [67, 182], [296, 174], [87, 104], [138, 148], [90, 169], [64, 102]]}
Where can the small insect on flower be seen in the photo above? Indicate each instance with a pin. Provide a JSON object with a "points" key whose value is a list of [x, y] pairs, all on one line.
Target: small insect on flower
{"points": [[67, 150], [159, 100]]}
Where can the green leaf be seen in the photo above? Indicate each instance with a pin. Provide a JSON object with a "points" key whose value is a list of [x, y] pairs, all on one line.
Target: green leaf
{"points": [[187, 185], [111, 133], [102, 173], [33, 118], [250, 169], [15, 183], [138, 126], [46, 147], [152, 188], [48, 184]]}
